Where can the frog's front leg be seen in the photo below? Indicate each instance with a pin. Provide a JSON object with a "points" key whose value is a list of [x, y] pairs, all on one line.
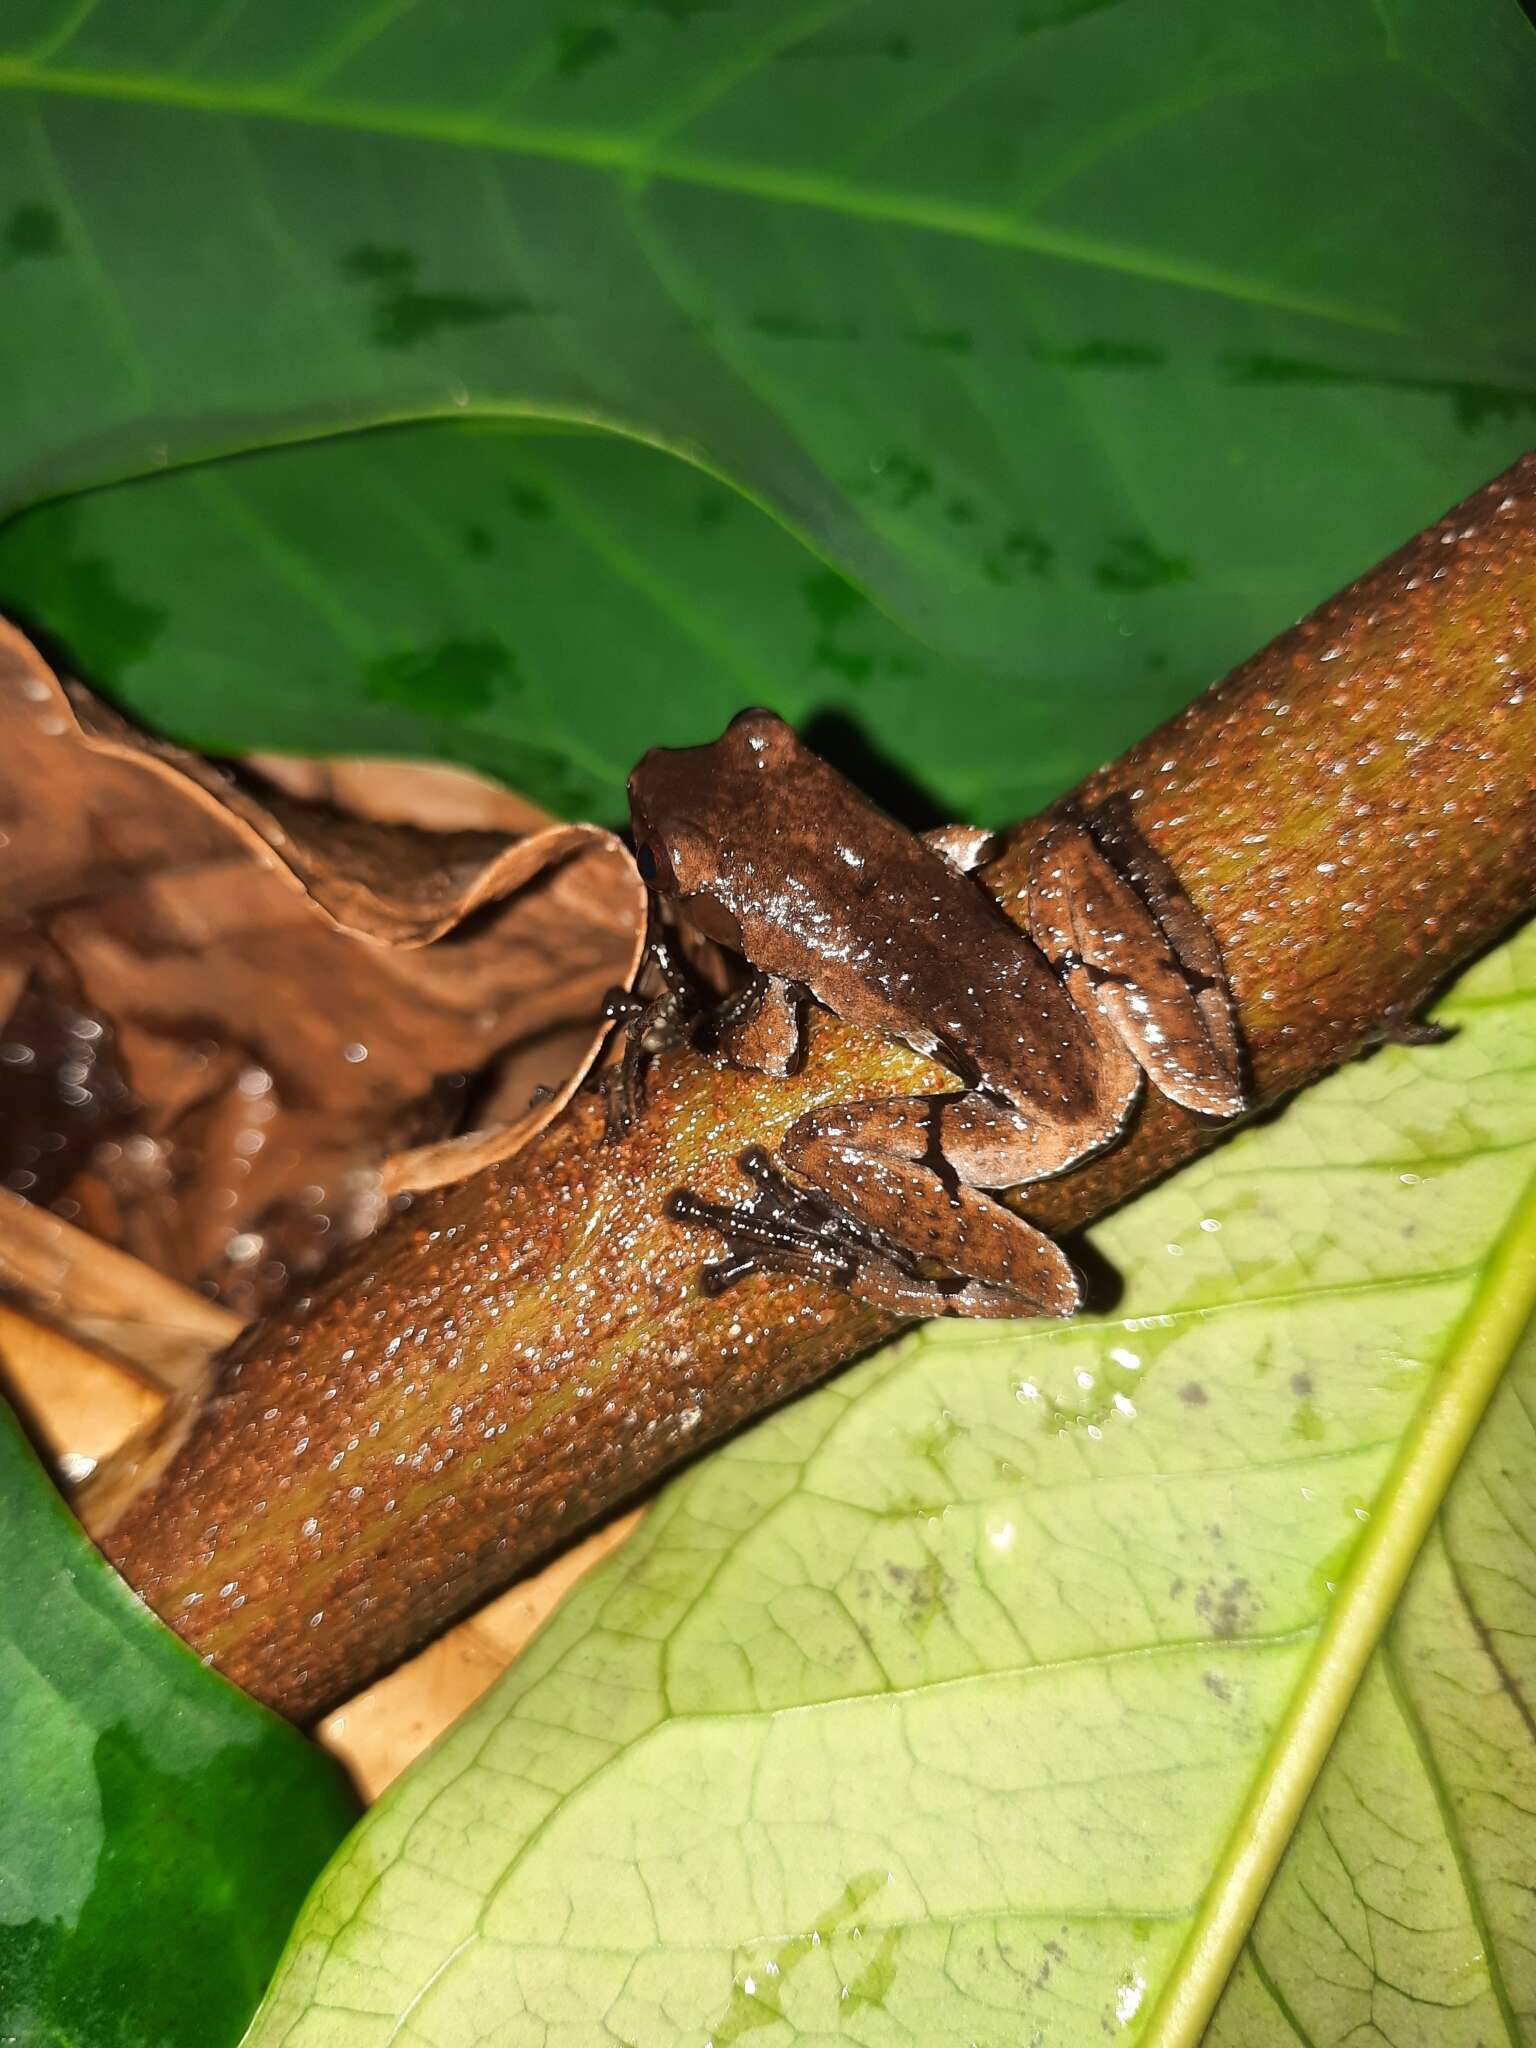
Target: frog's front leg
{"points": [[911, 1169], [1107, 910], [648, 1025], [761, 1028]]}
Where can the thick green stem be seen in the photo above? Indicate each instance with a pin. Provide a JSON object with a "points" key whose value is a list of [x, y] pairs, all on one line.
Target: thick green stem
{"points": [[1352, 810]]}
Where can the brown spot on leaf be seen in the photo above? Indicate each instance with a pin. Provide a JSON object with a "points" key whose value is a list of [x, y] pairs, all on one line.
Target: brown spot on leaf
{"points": [[1226, 1609]]}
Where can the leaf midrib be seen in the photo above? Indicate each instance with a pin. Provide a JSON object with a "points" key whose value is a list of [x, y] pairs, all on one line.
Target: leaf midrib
{"points": [[1486, 1338], [639, 162]]}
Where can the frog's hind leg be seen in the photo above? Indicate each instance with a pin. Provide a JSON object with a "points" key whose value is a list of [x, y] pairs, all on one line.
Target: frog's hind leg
{"points": [[783, 1227], [1108, 912], [907, 1168], [779, 1228]]}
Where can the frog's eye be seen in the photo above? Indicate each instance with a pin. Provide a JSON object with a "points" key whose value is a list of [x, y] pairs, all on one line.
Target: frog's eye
{"points": [[655, 867]]}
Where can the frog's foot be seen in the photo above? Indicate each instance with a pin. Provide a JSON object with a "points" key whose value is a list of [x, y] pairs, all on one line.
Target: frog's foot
{"points": [[784, 1227], [649, 1025], [761, 1027], [1399, 1026], [908, 1168], [1108, 912]]}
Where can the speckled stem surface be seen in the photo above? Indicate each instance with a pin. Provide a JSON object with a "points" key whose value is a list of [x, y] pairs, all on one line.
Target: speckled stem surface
{"points": [[1354, 810]]}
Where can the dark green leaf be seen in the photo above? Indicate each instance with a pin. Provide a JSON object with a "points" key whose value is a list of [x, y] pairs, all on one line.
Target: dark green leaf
{"points": [[615, 601], [158, 1830], [1076, 345]]}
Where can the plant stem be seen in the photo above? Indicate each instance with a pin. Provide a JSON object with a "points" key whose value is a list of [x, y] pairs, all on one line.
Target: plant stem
{"points": [[1353, 810]]}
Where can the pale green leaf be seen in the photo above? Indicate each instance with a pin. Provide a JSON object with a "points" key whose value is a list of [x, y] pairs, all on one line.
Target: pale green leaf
{"points": [[976, 1698]]}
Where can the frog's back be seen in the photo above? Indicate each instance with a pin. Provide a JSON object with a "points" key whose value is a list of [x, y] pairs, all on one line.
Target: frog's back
{"points": [[830, 891]]}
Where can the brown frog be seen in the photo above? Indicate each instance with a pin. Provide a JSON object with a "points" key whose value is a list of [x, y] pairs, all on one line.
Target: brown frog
{"points": [[765, 848]]}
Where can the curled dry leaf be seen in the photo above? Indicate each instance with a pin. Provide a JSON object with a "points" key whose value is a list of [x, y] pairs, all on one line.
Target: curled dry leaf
{"points": [[82, 1401], [245, 1006], [105, 1359]]}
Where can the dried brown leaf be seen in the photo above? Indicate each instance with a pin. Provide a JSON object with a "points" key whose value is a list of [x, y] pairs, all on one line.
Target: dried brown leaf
{"points": [[82, 1400], [235, 994], [106, 1360]]}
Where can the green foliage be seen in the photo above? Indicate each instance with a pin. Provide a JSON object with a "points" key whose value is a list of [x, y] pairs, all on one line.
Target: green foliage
{"points": [[972, 386], [976, 1696], [1013, 373], [158, 1829]]}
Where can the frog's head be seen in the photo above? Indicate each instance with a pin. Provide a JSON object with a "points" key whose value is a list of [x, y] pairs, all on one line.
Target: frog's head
{"points": [[696, 810]]}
